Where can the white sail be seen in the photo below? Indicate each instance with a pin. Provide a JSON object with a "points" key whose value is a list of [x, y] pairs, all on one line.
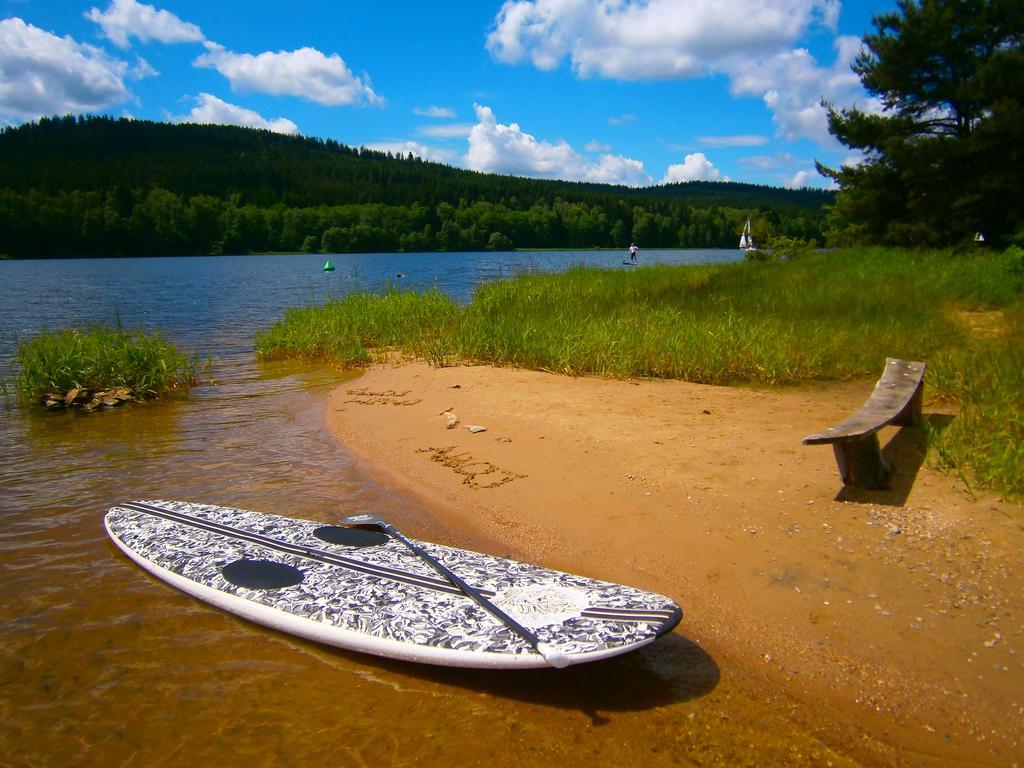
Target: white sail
{"points": [[746, 239]]}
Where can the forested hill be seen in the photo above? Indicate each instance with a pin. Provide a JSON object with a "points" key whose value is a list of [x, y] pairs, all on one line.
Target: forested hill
{"points": [[103, 186], [738, 195]]}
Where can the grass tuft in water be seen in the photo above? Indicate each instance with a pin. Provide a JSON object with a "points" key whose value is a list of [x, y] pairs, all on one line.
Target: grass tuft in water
{"points": [[98, 359]]}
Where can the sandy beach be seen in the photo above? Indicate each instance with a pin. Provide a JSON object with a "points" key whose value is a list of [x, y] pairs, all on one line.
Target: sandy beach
{"points": [[888, 623]]}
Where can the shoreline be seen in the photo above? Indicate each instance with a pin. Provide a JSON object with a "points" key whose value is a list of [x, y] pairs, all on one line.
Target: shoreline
{"points": [[897, 610], [574, 249]]}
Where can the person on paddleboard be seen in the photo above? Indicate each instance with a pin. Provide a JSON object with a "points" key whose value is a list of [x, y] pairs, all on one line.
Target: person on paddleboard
{"points": [[633, 251]]}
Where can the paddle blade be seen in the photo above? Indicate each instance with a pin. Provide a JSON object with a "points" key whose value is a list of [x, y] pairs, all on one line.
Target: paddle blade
{"points": [[373, 521], [552, 656]]}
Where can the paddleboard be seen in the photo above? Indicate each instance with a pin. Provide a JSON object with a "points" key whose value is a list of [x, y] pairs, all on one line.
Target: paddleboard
{"points": [[367, 591], [629, 263]]}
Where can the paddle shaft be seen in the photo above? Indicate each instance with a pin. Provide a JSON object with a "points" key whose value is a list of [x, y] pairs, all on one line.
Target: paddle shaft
{"points": [[467, 590], [552, 656]]}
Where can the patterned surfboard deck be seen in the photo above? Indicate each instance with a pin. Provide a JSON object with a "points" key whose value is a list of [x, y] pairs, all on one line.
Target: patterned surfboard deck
{"points": [[366, 591]]}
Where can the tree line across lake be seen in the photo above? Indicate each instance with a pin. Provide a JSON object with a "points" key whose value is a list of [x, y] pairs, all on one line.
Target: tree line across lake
{"points": [[158, 222], [100, 186]]}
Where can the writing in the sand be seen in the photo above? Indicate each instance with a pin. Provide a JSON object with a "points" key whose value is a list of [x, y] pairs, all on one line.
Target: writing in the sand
{"points": [[365, 396], [476, 473]]}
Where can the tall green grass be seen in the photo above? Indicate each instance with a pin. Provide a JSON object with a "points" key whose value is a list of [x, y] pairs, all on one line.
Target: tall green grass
{"points": [[98, 359], [985, 443], [826, 316], [344, 331]]}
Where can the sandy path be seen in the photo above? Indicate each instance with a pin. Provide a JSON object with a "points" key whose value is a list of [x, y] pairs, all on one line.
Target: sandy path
{"points": [[897, 614]]}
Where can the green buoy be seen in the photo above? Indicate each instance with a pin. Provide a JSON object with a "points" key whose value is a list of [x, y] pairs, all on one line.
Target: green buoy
{"points": [[328, 267]]}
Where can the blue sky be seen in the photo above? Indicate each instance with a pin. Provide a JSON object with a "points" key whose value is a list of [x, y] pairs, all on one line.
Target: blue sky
{"points": [[637, 92]]}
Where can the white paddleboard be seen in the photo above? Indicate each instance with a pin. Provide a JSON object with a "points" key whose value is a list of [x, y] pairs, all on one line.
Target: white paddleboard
{"points": [[367, 591]]}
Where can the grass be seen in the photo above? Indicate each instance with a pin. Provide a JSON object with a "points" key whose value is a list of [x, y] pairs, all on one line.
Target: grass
{"points": [[985, 444], [98, 359], [828, 316], [344, 331]]}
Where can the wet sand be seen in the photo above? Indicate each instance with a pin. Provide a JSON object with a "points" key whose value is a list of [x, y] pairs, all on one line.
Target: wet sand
{"points": [[827, 626]]}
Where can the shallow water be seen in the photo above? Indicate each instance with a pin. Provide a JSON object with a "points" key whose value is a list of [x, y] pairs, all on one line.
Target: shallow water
{"points": [[102, 665]]}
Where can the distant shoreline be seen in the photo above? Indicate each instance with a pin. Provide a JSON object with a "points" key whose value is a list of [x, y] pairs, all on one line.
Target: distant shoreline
{"points": [[7, 257]]}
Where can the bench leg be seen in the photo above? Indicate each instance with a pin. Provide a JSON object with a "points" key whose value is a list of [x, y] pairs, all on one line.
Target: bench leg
{"points": [[910, 416], [860, 462]]}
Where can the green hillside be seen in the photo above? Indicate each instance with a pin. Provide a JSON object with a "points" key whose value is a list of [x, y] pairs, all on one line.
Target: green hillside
{"points": [[102, 186]]}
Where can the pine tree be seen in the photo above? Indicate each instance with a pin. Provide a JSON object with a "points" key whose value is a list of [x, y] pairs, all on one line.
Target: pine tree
{"points": [[943, 154]]}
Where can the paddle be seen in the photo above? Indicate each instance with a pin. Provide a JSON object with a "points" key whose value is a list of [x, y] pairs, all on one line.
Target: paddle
{"points": [[552, 656]]}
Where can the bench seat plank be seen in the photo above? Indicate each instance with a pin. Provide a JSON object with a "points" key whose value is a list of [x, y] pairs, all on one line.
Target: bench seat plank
{"points": [[898, 387], [897, 399]]}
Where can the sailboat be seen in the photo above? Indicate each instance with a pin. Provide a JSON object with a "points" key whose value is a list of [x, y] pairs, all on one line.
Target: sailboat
{"points": [[746, 239]]}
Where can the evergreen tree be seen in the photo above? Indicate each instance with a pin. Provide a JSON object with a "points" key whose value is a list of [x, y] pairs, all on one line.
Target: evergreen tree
{"points": [[103, 186], [943, 155]]}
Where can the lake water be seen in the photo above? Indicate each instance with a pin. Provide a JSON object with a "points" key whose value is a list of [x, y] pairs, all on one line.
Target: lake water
{"points": [[102, 665]]}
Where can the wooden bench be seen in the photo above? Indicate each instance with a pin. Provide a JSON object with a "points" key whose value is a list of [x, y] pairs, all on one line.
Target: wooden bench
{"points": [[896, 400]]}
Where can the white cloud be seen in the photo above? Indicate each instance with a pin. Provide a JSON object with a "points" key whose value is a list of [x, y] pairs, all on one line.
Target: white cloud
{"points": [[448, 131], [616, 169], [809, 177], [434, 111], [649, 39], [125, 19], [792, 85], [749, 41], [419, 150], [141, 69], [596, 146], [801, 179], [42, 74], [498, 148], [783, 168], [210, 109], [695, 167], [743, 140], [305, 72]]}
